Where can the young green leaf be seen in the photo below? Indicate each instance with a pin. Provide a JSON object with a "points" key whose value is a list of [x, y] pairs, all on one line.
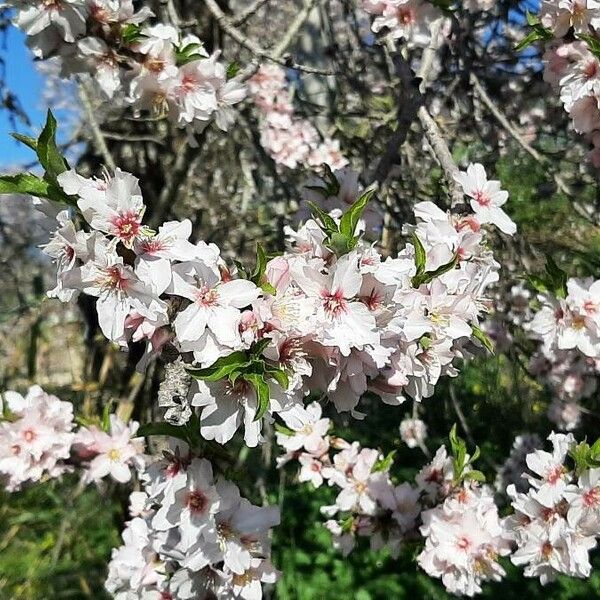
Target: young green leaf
{"points": [[420, 254], [26, 183], [222, 367], [27, 140], [328, 223], [558, 277], [106, 416], [483, 337], [233, 69], [351, 217], [261, 388], [49, 156], [429, 276], [384, 464]]}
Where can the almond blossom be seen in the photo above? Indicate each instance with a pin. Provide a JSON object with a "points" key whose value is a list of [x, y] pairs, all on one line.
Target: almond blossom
{"points": [[114, 452], [36, 439], [486, 198]]}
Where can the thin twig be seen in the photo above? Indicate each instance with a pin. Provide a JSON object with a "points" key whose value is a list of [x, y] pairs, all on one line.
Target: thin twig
{"points": [[518, 137], [248, 12], [99, 139], [442, 153], [258, 51]]}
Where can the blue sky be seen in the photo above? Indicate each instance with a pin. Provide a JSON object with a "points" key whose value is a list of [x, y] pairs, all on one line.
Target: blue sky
{"points": [[24, 81]]}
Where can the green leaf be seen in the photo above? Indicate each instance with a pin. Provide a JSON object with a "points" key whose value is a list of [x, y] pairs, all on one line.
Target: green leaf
{"points": [[131, 33], [233, 69], [280, 376], [261, 264], [595, 449], [532, 19], [106, 416], [340, 243], [222, 367], [474, 476], [351, 217], [420, 254], [27, 140], [429, 276], [26, 183], [263, 397], [267, 288], [188, 53], [50, 158], [163, 429], [539, 284], [284, 430], [558, 277], [538, 32], [593, 43], [258, 347], [328, 223], [384, 464], [483, 337]]}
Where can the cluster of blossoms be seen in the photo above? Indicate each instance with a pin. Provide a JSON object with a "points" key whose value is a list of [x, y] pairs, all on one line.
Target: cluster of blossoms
{"points": [[569, 358], [154, 69], [192, 536], [455, 516], [570, 65], [319, 318], [38, 440], [368, 504], [289, 140], [36, 434], [557, 520]]}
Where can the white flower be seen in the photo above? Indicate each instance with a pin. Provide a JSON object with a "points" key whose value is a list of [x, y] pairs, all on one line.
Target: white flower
{"points": [[111, 453], [487, 198], [113, 205]]}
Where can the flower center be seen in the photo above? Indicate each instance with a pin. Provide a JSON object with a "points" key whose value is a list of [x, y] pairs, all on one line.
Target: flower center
{"points": [[114, 454], [29, 435], [463, 543], [547, 549], [482, 198], [334, 303], [152, 246], [197, 501], [405, 16], [114, 278], [207, 296], [591, 498], [555, 475], [126, 225]]}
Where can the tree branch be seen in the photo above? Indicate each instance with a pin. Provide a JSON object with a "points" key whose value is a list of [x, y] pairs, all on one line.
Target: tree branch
{"points": [[258, 51], [97, 135]]}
